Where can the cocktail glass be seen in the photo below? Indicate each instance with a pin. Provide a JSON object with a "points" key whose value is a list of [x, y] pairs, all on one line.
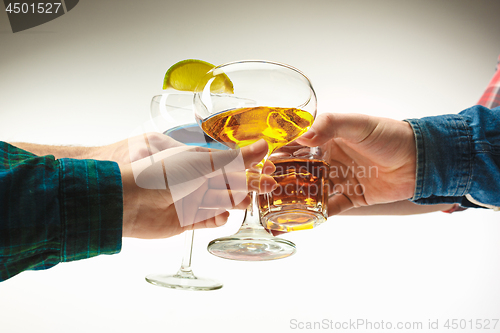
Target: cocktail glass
{"points": [[172, 114], [271, 101]]}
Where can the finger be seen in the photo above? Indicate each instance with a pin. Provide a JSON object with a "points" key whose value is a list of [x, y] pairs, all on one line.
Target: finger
{"points": [[226, 161], [210, 218], [269, 167], [190, 205], [158, 142], [235, 160], [219, 220], [201, 162], [267, 184], [350, 127], [261, 183], [238, 182], [254, 153], [225, 199], [185, 164], [338, 203], [244, 203]]}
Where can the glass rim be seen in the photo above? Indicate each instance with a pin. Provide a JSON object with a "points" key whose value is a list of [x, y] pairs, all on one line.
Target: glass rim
{"points": [[281, 64], [312, 95]]}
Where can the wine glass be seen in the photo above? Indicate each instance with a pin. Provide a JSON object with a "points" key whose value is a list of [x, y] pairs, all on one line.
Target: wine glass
{"points": [[271, 101], [172, 115]]}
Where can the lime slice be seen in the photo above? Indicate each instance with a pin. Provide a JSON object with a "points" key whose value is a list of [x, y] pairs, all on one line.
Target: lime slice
{"points": [[187, 74]]}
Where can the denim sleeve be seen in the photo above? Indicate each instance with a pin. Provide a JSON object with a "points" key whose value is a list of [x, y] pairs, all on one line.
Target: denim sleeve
{"points": [[458, 158]]}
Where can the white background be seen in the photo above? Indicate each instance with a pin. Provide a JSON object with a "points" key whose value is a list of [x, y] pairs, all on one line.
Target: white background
{"points": [[87, 78]]}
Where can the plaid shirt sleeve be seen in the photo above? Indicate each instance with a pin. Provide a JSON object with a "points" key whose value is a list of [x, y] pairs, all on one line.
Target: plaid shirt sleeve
{"points": [[54, 211], [491, 96]]}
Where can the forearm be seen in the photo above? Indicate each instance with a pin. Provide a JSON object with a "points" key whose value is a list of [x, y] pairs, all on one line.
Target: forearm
{"points": [[56, 210], [398, 208], [60, 151], [141, 146]]}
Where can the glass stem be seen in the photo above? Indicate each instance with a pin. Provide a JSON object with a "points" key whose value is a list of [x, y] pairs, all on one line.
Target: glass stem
{"points": [[252, 215], [185, 270], [252, 226]]}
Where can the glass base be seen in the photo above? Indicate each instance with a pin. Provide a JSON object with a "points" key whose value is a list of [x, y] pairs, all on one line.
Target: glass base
{"points": [[292, 220], [251, 249], [184, 281]]}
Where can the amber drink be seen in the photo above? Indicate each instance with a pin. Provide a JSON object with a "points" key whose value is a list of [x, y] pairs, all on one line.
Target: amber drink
{"points": [[300, 200], [241, 127]]}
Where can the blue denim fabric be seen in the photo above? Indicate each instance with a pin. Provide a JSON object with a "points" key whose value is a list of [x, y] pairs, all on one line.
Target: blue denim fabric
{"points": [[458, 158]]}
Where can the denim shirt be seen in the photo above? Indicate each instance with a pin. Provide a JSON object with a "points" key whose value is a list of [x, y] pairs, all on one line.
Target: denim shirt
{"points": [[458, 158]]}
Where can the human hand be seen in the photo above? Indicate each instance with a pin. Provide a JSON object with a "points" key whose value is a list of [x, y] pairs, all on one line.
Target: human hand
{"points": [[372, 160], [134, 148], [184, 187]]}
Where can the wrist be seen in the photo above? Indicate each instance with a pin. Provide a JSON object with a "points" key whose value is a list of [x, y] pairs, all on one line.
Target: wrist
{"points": [[411, 165], [130, 199]]}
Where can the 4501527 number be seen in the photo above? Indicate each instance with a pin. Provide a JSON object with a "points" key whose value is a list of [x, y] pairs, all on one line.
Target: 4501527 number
{"points": [[39, 8], [478, 324]]}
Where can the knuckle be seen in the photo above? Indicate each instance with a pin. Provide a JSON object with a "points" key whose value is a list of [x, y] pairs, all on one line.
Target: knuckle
{"points": [[154, 137], [139, 153], [328, 118]]}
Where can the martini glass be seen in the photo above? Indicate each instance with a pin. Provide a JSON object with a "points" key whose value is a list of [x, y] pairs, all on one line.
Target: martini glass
{"points": [[270, 101], [172, 115]]}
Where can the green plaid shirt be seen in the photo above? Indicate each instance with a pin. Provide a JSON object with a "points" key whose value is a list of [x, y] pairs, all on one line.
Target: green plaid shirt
{"points": [[53, 211]]}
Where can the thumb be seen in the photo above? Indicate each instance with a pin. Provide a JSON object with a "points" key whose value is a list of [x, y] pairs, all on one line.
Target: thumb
{"points": [[238, 160], [349, 127], [254, 153]]}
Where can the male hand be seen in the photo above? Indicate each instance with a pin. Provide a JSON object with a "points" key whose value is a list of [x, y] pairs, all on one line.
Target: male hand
{"points": [[133, 148], [372, 160], [184, 187]]}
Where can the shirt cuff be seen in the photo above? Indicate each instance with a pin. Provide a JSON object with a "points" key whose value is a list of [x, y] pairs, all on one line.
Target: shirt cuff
{"points": [[444, 162], [91, 202]]}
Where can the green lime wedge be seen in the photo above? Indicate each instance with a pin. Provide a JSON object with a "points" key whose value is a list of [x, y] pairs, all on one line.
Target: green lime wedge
{"points": [[187, 74]]}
